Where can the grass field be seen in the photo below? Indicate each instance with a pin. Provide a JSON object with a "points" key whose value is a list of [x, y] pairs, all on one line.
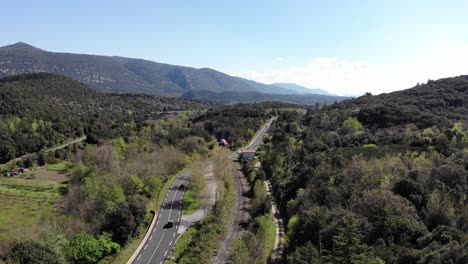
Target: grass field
{"points": [[63, 167], [191, 203], [24, 205]]}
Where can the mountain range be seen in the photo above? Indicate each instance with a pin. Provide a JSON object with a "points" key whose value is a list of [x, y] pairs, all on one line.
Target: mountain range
{"points": [[302, 89], [114, 74]]}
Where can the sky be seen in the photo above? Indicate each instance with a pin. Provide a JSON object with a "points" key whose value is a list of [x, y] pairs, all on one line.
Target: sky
{"points": [[345, 47]]}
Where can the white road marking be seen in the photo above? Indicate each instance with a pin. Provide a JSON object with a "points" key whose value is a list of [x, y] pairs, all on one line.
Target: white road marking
{"points": [[152, 255], [145, 246], [172, 203], [177, 182]]}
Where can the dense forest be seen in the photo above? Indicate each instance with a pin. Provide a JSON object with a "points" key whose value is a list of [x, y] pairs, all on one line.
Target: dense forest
{"points": [[377, 179], [40, 111]]}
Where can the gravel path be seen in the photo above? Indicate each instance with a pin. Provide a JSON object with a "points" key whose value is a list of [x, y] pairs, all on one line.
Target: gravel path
{"points": [[279, 240], [209, 200]]}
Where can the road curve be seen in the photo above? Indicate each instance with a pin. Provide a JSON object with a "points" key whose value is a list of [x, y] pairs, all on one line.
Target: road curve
{"points": [[161, 240]]}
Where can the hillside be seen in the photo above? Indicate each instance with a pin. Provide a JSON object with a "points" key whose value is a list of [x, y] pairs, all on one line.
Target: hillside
{"points": [[127, 75], [380, 179], [122, 75], [254, 97], [43, 110], [438, 103]]}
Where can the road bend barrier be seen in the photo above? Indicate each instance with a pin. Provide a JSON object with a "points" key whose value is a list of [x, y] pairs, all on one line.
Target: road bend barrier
{"points": [[148, 233]]}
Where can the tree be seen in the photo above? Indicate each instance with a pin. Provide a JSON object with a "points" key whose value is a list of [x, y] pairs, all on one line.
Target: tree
{"points": [[120, 223], [32, 252], [305, 254], [353, 123], [260, 203], [347, 245], [86, 249], [440, 211], [196, 181]]}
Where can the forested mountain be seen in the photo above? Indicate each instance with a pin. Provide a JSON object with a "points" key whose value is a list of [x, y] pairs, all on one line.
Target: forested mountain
{"points": [[302, 89], [377, 179], [127, 75], [122, 75], [42, 110]]}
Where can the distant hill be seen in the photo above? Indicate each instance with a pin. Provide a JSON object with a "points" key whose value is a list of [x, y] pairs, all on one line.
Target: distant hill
{"points": [[126, 75], [254, 97], [301, 89], [436, 103], [122, 75]]}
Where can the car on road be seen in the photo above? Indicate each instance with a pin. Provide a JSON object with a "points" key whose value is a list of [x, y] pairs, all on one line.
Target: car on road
{"points": [[181, 187], [168, 225]]}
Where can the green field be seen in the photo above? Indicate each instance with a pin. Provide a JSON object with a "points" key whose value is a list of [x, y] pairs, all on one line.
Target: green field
{"points": [[190, 203], [63, 167], [24, 206]]}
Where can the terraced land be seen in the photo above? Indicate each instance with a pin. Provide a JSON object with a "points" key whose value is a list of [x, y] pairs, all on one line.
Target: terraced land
{"points": [[27, 205]]}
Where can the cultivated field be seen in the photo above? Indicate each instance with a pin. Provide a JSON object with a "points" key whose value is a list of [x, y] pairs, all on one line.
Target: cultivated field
{"points": [[27, 202]]}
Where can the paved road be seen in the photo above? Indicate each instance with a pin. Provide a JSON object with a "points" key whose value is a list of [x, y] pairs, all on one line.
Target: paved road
{"points": [[258, 140], [242, 203], [161, 240]]}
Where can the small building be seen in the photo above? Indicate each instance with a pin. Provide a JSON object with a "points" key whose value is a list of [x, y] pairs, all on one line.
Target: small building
{"points": [[248, 154], [223, 143]]}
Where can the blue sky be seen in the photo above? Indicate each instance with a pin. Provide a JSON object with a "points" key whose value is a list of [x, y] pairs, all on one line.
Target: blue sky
{"points": [[347, 47]]}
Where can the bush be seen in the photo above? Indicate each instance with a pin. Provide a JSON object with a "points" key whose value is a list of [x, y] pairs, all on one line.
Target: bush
{"points": [[86, 249], [33, 252]]}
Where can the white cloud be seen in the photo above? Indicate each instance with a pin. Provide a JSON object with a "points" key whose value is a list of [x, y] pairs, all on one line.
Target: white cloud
{"points": [[355, 78]]}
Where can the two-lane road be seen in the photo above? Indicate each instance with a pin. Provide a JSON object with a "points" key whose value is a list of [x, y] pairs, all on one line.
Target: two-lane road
{"points": [[161, 240], [258, 140]]}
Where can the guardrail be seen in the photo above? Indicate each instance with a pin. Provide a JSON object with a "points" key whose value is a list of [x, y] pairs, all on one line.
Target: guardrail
{"points": [[148, 232]]}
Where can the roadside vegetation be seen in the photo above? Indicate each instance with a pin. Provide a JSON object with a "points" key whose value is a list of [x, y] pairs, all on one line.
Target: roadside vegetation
{"points": [[205, 242], [195, 192], [257, 242]]}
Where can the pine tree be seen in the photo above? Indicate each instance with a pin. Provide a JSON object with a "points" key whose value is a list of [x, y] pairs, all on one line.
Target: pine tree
{"points": [[348, 247]]}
